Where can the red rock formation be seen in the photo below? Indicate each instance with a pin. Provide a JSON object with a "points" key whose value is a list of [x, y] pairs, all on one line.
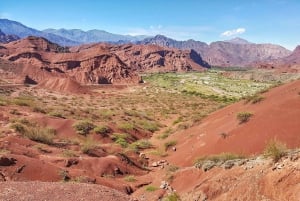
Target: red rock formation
{"points": [[96, 63]]}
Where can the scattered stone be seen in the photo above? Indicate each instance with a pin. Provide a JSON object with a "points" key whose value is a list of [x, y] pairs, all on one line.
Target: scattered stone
{"points": [[174, 148], [71, 161], [154, 164], [20, 169], [277, 166], [228, 164], [207, 165], [6, 161], [117, 171]]}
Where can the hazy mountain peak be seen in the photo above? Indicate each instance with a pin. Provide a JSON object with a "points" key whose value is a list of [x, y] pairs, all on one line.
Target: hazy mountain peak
{"points": [[238, 40]]}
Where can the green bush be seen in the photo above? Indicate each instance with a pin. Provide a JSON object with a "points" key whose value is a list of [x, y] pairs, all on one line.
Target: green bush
{"points": [[150, 188], [83, 127], [88, 145], [130, 178], [169, 144], [140, 144], [126, 126], [101, 129], [171, 197], [56, 114], [223, 157], [275, 150], [121, 139], [243, 116]]}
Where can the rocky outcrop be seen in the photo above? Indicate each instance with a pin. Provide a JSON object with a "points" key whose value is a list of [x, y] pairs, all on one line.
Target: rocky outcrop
{"points": [[43, 61]]}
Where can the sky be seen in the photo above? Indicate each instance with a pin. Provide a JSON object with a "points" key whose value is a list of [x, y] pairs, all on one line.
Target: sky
{"points": [[259, 21]]}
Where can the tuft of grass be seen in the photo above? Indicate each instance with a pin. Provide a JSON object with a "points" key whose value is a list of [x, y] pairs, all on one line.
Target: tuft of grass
{"points": [[121, 139], [223, 157], [130, 178], [83, 127], [275, 149], [171, 197], [56, 114], [101, 129], [23, 101], [149, 125], [140, 144], [68, 153], [169, 144], [151, 188], [243, 117], [126, 126], [254, 98], [88, 145]]}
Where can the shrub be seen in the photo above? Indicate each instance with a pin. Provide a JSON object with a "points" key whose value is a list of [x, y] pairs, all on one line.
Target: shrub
{"points": [[38, 109], [88, 145], [171, 197], [120, 138], [243, 116], [169, 144], [102, 129], [56, 114], [254, 98], [69, 153], [83, 127], [151, 188], [125, 126], [18, 127], [140, 144], [130, 178], [149, 126], [223, 157], [275, 150], [35, 132], [23, 101]]}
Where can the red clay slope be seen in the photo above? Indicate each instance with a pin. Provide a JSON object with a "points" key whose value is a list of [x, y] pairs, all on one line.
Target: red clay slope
{"points": [[275, 117]]}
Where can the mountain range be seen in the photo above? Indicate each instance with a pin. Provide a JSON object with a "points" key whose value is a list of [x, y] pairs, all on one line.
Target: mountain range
{"points": [[234, 52]]}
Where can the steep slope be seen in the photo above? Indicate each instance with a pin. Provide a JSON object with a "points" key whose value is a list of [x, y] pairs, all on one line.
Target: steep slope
{"points": [[236, 52], [275, 117], [7, 38], [92, 36], [15, 28]]}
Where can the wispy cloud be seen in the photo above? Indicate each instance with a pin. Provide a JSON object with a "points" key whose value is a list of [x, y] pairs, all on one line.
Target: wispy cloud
{"points": [[233, 32], [176, 32]]}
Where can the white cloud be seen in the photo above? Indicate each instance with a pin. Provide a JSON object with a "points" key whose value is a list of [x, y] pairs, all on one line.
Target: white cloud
{"points": [[233, 32]]}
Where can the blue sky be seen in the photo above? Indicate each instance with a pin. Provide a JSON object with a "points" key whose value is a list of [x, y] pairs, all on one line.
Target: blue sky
{"points": [[259, 21]]}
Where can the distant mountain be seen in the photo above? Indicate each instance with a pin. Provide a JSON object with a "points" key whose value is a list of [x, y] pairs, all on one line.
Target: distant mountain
{"points": [[15, 28], [7, 38], [161, 40], [235, 52], [93, 36], [238, 40]]}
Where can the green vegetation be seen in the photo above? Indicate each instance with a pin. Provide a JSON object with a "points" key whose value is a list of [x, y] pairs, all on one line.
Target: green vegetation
{"points": [[130, 178], [171, 197], [254, 98], [275, 149], [243, 117], [140, 144], [83, 127], [120, 139], [35, 132], [151, 188], [169, 144], [88, 145], [101, 129], [223, 157], [126, 126]]}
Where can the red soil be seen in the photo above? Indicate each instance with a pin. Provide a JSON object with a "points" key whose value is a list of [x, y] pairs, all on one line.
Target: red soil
{"points": [[275, 117]]}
